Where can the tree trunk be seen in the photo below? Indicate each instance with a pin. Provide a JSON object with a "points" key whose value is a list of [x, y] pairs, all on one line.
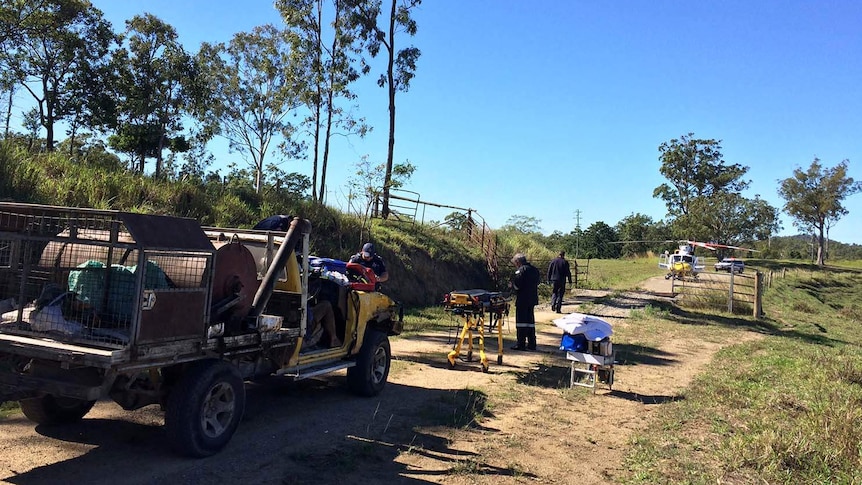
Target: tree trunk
{"points": [[48, 123], [391, 85], [9, 110], [161, 147], [326, 145], [820, 243], [317, 103]]}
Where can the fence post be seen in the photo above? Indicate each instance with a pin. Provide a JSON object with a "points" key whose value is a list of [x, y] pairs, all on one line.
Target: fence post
{"points": [[758, 294], [730, 295]]}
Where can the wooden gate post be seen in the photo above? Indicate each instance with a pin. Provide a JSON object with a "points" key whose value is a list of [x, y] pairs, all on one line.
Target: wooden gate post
{"points": [[730, 294], [758, 294]]}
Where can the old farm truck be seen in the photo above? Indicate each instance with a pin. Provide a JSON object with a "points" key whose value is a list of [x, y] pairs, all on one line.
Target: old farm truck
{"points": [[150, 309]]}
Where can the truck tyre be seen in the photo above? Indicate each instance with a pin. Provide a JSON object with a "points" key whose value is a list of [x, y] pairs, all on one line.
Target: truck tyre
{"points": [[205, 408], [50, 409], [369, 375]]}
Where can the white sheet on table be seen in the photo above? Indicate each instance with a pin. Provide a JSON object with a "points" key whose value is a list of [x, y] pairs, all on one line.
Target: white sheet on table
{"points": [[593, 328]]}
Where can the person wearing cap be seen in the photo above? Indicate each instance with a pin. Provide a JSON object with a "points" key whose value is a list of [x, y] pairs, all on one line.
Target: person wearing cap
{"points": [[526, 286], [369, 258], [558, 272]]}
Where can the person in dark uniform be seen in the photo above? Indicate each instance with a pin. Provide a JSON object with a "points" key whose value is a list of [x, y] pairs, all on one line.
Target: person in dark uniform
{"points": [[558, 272], [526, 286], [369, 258], [278, 222]]}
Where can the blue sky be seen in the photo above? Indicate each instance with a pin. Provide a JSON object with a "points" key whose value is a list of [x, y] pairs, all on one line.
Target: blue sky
{"points": [[544, 108]]}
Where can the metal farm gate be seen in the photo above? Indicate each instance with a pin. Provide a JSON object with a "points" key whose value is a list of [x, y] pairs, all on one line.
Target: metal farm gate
{"points": [[733, 292]]}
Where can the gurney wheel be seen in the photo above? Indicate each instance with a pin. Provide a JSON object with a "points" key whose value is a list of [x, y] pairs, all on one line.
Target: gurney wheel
{"points": [[499, 360], [451, 364], [470, 356], [485, 368]]}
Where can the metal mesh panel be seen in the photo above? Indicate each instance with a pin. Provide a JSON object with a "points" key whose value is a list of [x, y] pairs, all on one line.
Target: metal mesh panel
{"points": [[78, 275]]}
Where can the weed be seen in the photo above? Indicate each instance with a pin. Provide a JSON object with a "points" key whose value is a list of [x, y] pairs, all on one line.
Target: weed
{"points": [[802, 307], [851, 312], [8, 408], [649, 312], [468, 466]]}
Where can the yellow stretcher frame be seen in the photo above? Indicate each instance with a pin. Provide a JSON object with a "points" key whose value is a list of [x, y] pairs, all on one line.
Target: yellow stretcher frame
{"points": [[473, 311]]}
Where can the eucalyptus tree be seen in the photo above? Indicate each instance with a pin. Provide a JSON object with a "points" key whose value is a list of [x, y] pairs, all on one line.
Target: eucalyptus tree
{"points": [[253, 92], [49, 50], [324, 52], [704, 194], [695, 168], [400, 63], [154, 91], [814, 199], [728, 218]]}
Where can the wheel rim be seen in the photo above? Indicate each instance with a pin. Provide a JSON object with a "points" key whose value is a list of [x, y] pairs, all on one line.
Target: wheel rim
{"points": [[218, 409], [378, 365]]}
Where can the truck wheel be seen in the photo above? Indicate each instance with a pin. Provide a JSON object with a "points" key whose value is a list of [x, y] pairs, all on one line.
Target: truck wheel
{"points": [[205, 408], [50, 409], [369, 375]]}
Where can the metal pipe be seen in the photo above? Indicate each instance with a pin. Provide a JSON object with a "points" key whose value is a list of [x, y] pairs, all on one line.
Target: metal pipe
{"points": [[298, 227]]}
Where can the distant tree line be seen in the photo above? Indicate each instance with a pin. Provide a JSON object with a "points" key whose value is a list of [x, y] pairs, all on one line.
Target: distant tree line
{"points": [[704, 199]]}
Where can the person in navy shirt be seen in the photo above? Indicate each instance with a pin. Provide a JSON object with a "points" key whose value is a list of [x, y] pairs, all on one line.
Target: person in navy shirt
{"points": [[369, 258]]}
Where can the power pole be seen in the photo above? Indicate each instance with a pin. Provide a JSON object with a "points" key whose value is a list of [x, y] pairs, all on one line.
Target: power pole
{"points": [[577, 230]]}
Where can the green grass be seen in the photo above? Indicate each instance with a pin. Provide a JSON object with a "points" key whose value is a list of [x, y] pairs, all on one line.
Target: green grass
{"points": [[619, 274], [786, 408], [423, 320], [8, 408]]}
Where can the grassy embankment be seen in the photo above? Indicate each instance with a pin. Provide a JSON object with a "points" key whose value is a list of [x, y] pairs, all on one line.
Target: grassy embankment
{"points": [[785, 408]]}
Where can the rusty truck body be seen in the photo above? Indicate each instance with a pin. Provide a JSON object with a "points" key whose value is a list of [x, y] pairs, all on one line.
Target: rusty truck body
{"points": [[157, 310]]}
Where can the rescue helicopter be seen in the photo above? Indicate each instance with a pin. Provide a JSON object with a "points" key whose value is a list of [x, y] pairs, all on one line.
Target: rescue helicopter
{"points": [[683, 263]]}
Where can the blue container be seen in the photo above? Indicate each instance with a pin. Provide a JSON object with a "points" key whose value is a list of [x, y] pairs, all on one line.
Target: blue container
{"points": [[328, 264]]}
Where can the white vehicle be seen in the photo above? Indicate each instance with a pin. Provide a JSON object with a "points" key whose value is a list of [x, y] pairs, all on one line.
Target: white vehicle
{"points": [[731, 265]]}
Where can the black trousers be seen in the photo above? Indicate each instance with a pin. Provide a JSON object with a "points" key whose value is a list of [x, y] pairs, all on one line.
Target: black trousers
{"points": [[558, 294], [525, 326]]}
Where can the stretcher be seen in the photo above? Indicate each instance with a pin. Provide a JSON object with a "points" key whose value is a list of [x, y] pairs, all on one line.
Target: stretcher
{"points": [[473, 306]]}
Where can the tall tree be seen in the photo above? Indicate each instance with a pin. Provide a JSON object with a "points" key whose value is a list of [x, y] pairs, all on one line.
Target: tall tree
{"points": [[523, 224], [328, 66], [155, 75], [703, 196], [695, 168], [638, 234], [597, 239], [400, 66], [728, 218], [254, 92], [55, 43], [813, 198]]}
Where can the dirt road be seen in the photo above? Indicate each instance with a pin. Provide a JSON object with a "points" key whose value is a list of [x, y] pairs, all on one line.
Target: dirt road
{"points": [[530, 429]]}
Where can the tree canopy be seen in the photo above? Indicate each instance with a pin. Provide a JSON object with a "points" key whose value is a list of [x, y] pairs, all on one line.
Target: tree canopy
{"points": [[704, 194], [814, 199]]}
